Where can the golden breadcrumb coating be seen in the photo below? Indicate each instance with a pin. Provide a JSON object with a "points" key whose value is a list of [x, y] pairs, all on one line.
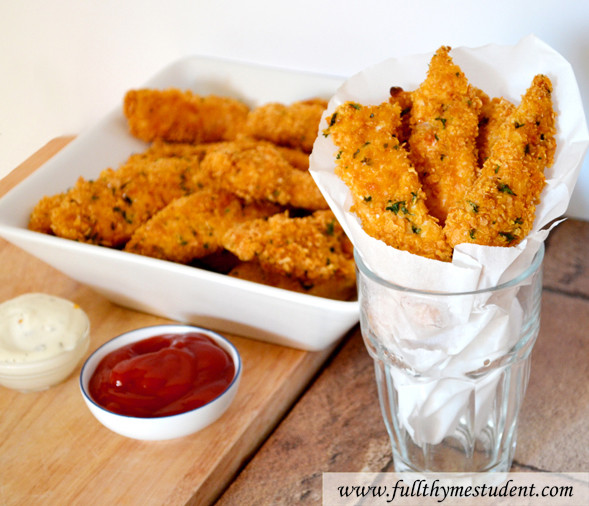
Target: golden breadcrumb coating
{"points": [[192, 226], [309, 249], [162, 149], [107, 211], [404, 100], [493, 114], [336, 287], [182, 116], [387, 194], [40, 219], [444, 127], [294, 125], [257, 171], [499, 209], [296, 157]]}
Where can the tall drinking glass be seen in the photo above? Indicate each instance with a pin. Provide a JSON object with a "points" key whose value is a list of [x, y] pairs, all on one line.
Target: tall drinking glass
{"points": [[451, 368]]}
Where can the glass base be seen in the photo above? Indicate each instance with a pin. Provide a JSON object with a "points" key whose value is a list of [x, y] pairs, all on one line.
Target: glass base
{"points": [[448, 457]]}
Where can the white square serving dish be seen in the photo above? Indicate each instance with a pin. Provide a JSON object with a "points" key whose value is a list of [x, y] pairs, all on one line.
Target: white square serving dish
{"points": [[179, 292]]}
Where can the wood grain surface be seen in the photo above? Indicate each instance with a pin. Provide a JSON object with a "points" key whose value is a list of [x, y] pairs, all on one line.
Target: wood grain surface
{"points": [[53, 451]]}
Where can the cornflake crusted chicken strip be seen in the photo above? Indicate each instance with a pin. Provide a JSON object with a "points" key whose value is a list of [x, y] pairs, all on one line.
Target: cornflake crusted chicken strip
{"points": [[181, 116], [444, 127], [405, 101], [499, 210], [310, 249], [107, 211], [192, 226], [387, 194], [40, 219], [256, 171], [293, 126], [493, 114]]}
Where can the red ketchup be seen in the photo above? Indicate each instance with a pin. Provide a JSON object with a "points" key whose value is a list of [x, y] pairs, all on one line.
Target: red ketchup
{"points": [[162, 375]]}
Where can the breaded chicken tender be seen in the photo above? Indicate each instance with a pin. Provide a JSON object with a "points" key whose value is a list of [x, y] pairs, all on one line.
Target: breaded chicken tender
{"points": [[40, 219], [493, 114], [336, 287], [387, 194], [256, 171], [405, 101], [499, 210], [181, 116], [296, 157], [163, 149], [444, 127], [192, 226], [309, 249], [107, 211], [294, 126]]}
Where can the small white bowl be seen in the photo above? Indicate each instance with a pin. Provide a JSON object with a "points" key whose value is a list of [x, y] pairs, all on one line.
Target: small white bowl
{"points": [[44, 316], [165, 427]]}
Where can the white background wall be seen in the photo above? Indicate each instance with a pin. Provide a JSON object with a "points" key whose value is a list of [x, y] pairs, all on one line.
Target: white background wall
{"points": [[65, 63]]}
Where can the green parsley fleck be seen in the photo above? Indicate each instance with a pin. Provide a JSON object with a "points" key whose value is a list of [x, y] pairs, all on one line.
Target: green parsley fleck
{"points": [[504, 188], [507, 235], [395, 207], [330, 228], [443, 120]]}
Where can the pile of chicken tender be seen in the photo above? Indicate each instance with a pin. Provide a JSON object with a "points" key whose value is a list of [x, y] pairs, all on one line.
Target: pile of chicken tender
{"points": [[220, 186], [445, 164]]}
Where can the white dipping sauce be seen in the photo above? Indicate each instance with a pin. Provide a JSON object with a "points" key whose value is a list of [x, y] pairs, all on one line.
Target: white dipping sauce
{"points": [[38, 326]]}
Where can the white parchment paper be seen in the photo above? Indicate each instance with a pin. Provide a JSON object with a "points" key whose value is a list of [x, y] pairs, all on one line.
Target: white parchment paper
{"points": [[440, 340]]}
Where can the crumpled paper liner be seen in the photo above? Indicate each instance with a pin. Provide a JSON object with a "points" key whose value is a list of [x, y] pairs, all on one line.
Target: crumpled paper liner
{"points": [[480, 328]]}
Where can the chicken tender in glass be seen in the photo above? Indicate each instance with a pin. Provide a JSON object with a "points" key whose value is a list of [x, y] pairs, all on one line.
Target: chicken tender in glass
{"points": [[493, 114], [444, 127], [257, 171], [192, 226], [181, 116], [499, 209], [404, 100], [309, 249], [294, 126], [387, 194]]}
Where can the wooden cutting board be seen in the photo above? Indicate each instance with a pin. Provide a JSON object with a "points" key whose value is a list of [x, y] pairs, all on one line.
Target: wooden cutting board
{"points": [[53, 451]]}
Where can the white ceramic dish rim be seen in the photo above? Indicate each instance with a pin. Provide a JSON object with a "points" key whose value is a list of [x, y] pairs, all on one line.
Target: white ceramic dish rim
{"points": [[328, 320], [138, 334]]}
